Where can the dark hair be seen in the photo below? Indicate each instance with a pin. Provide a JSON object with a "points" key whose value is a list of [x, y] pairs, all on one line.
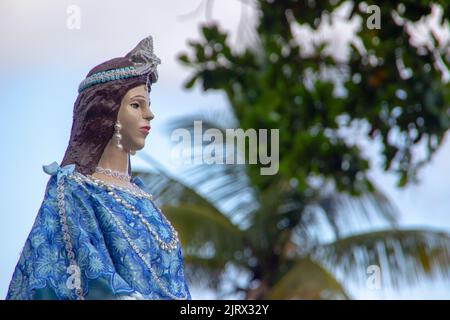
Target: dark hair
{"points": [[94, 115]]}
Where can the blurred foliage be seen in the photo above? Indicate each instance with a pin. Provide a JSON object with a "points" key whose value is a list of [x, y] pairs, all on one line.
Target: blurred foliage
{"points": [[273, 242], [266, 87], [271, 228]]}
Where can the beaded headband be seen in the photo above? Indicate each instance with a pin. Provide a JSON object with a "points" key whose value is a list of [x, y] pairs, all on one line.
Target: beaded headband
{"points": [[144, 62]]}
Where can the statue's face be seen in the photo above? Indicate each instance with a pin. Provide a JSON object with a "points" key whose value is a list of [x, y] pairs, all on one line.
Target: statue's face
{"points": [[134, 113]]}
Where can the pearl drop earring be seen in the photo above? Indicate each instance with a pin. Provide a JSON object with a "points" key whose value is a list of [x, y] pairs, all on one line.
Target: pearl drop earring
{"points": [[117, 135]]}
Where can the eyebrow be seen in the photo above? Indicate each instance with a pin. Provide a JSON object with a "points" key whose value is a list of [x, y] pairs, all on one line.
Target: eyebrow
{"points": [[138, 96]]}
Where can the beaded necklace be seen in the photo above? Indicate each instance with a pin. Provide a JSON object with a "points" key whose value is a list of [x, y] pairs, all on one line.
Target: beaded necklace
{"points": [[168, 246], [114, 173], [165, 246]]}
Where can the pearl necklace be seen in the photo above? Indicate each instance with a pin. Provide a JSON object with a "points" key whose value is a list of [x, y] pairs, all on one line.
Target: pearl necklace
{"points": [[134, 191], [145, 260], [114, 173], [168, 246], [79, 178], [73, 269]]}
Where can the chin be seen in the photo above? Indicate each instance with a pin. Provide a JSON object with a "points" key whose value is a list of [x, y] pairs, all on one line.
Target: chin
{"points": [[139, 146]]}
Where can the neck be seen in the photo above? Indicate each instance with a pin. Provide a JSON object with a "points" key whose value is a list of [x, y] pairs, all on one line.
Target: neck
{"points": [[114, 159]]}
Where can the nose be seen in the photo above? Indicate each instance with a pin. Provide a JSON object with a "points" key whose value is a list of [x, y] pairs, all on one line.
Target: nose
{"points": [[148, 114]]}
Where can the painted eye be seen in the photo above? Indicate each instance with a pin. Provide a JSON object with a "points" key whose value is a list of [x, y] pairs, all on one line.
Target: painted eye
{"points": [[134, 105]]}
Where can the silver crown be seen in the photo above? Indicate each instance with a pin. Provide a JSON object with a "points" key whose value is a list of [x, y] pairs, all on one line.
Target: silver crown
{"points": [[144, 62]]}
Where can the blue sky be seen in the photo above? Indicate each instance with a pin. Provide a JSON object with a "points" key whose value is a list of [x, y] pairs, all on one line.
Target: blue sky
{"points": [[42, 63]]}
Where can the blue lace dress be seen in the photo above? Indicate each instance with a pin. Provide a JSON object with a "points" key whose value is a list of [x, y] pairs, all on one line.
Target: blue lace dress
{"points": [[106, 253]]}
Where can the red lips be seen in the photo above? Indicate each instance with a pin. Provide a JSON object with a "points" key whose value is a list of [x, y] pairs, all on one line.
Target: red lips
{"points": [[145, 129]]}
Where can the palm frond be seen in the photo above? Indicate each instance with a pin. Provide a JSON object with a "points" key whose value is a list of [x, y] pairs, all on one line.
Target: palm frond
{"points": [[210, 120], [329, 214], [167, 189], [204, 271], [199, 222], [205, 232], [217, 187], [307, 280], [402, 256]]}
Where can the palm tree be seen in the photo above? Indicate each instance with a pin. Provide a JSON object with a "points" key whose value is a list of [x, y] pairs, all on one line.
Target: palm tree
{"points": [[320, 222], [288, 245]]}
